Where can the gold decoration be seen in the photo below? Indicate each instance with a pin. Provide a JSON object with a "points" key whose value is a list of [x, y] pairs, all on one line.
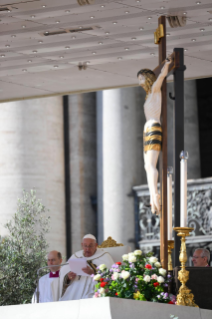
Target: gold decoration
{"points": [[184, 297], [170, 247], [110, 242], [159, 33]]}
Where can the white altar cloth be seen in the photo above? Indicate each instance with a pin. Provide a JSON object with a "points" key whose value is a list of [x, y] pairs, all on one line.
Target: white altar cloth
{"points": [[102, 308]]}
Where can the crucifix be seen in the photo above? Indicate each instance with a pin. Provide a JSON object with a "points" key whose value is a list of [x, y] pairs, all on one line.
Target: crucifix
{"points": [[155, 132], [176, 68]]}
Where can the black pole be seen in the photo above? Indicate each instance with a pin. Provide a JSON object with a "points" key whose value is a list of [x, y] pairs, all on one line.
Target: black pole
{"points": [[178, 140], [137, 228], [67, 175]]}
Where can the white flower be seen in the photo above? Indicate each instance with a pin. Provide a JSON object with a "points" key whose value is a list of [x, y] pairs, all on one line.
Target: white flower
{"points": [[131, 254], [157, 264], [160, 279], [115, 276], [97, 277], [102, 267], [125, 257], [137, 252], [153, 259], [132, 259], [125, 274], [162, 271], [147, 278], [102, 290]]}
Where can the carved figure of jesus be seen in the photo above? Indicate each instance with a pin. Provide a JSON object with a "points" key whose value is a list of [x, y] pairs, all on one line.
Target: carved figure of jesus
{"points": [[152, 134]]}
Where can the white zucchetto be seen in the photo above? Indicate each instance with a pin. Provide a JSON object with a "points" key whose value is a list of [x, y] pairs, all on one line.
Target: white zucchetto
{"points": [[89, 236]]}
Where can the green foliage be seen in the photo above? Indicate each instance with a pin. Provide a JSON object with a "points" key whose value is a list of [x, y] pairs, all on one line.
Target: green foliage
{"points": [[23, 251]]}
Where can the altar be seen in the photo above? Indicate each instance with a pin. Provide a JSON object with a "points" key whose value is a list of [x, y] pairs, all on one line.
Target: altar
{"points": [[104, 308]]}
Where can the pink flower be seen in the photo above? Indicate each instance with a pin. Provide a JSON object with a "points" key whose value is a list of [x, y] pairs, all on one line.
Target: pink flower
{"points": [[154, 277], [136, 279], [96, 295]]}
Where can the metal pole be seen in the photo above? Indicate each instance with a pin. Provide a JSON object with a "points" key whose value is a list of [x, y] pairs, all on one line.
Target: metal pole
{"points": [[178, 140], [67, 174], [137, 227], [163, 156]]}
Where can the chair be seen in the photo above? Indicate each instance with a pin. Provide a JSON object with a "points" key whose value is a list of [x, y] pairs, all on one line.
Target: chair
{"points": [[115, 250]]}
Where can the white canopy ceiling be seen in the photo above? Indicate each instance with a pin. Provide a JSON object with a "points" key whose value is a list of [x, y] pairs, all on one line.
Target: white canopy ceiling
{"points": [[119, 43]]}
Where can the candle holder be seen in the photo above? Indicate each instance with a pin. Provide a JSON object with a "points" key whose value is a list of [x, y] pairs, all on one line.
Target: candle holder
{"points": [[184, 297], [170, 247]]}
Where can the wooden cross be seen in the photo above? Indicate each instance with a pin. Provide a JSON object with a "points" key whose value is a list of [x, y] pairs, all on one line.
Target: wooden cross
{"points": [[177, 68]]}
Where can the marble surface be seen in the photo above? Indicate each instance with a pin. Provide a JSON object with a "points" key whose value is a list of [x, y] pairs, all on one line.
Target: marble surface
{"points": [[104, 308]]}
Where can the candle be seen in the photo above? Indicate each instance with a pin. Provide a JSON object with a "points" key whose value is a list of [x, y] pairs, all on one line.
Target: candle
{"points": [[169, 201], [183, 189]]}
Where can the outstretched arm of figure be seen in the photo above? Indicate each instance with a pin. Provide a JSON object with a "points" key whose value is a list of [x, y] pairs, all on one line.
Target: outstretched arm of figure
{"points": [[158, 83]]}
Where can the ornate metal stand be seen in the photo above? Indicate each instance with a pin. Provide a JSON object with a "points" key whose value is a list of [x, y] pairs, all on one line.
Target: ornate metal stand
{"points": [[170, 247], [184, 297]]}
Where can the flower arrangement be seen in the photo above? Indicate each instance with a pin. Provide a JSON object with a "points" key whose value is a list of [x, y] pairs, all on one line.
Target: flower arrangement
{"points": [[138, 277]]}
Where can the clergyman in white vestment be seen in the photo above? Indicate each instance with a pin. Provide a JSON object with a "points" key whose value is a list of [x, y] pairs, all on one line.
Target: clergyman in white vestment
{"points": [[49, 284], [74, 287]]}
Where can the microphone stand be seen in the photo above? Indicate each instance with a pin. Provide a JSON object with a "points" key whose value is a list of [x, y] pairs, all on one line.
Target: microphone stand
{"points": [[37, 288]]}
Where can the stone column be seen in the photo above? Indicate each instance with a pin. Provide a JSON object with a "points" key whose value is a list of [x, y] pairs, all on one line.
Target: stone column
{"points": [[32, 156], [82, 123], [120, 160]]}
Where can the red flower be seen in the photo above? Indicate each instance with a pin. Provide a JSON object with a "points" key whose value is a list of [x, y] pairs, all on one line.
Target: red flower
{"points": [[156, 284], [116, 294], [148, 266], [103, 284], [118, 263], [101, 279], [170, 303]]}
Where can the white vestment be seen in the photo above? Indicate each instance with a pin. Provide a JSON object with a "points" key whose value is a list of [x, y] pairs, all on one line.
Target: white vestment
{"points": [[48, 289], [83, 287]]}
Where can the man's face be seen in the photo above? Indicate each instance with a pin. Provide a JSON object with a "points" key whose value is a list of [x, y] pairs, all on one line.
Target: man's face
{"points": [[141, 80], [53, 260], [199, 261], [89, 247]]}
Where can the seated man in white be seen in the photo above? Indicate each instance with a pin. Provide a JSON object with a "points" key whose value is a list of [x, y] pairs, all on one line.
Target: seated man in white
{"points": [[73, 286], [49, 283]]}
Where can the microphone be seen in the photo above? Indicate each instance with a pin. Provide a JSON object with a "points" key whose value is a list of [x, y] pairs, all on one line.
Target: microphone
{"points": [[37, 288]]}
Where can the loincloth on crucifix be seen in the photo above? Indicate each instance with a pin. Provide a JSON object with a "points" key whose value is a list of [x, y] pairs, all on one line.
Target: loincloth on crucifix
{"points": [[152, 137]]}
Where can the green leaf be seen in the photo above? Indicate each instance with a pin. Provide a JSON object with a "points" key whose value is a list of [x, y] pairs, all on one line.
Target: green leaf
{"points": [[23, 251]]}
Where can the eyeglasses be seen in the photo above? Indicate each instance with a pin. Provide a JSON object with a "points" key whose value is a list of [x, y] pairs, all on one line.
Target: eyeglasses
{"points": [[195, 257], [90, 246]]}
